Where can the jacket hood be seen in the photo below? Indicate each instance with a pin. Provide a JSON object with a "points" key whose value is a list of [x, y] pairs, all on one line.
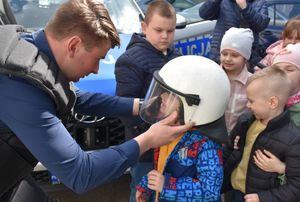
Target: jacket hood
{"points": [[216, 130], [275, 47]]}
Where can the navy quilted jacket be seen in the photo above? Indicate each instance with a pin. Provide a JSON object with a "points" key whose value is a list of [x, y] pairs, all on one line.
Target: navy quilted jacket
{"points": [[134, 68], [282, 138], [134, 71], [228, 14]]}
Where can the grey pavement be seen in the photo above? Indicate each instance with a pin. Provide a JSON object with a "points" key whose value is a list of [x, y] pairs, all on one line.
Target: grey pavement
{"points": [[115, 191]]}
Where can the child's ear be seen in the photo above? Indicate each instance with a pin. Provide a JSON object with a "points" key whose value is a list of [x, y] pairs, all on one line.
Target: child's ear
{"points": [[144, 27], [273, 101]]}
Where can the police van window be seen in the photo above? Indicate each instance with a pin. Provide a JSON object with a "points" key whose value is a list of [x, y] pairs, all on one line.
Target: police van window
{"points": [[181, 5], [33, 14], [36, 13], [295, 10], [124, 16], [189, 9], [280, 13]]}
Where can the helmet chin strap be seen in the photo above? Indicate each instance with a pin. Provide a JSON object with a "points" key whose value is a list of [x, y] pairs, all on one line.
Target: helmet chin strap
{"points": [[216, 130]]}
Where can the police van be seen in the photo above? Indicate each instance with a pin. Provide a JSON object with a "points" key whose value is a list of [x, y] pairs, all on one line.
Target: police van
{"points": [[192, 36]]}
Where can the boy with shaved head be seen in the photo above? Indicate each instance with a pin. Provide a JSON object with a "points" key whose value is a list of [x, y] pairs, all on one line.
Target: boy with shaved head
{"points": [[269, 128]]}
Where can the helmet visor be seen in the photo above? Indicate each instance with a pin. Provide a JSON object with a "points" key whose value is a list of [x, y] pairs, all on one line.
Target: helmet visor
{"points": [[159, 103]]}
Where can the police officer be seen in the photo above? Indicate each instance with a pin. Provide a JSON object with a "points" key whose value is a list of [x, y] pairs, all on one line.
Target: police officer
{"points": [[36, 74]]}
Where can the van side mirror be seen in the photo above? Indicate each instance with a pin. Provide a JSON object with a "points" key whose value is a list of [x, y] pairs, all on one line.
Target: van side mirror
{"points": [[181, 22]]}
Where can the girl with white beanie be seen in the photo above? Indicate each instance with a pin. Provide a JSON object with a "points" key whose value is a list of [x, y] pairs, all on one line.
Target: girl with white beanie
{"points": [[235, 52]]}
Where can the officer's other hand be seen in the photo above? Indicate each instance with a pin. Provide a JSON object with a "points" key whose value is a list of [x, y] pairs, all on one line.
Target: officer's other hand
{"points": [[165, 131], [161, 133]]}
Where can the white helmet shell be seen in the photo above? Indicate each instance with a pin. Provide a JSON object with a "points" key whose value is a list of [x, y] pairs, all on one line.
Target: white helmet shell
{"points": [[200, 76]]}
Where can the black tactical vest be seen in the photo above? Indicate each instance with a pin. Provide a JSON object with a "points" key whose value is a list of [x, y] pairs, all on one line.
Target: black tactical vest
{"points": [[22, 59]]}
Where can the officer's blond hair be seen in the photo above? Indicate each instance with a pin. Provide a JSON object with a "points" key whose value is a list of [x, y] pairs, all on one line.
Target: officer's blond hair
{"points": [[88, 19]]}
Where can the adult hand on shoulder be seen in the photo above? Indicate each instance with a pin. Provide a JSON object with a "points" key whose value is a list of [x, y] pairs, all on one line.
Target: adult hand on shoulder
{"points": [[242, 3], [161, 133], [268, 162], [251, 198]]}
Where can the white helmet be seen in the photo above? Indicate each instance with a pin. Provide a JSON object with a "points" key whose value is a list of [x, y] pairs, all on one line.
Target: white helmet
{"points": [[195, 86]]}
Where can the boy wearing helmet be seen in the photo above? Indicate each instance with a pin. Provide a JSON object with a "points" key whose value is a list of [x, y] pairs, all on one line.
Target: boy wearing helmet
{"points": [[191, 167]]}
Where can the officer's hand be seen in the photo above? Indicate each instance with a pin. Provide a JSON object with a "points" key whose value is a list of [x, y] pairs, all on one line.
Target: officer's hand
{"points": [[161, 133]]}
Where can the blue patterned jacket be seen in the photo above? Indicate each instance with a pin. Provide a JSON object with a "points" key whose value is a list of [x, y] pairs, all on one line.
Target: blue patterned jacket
{"points": [[193, 171]]}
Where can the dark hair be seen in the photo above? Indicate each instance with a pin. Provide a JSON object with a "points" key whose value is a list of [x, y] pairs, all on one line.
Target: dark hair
{"points": [[162, 8]]}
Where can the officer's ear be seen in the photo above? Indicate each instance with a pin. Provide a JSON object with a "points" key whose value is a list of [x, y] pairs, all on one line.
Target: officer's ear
{"points": [[74, 44]]}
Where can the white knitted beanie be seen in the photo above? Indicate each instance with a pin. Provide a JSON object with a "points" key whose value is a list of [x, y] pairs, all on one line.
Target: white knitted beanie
{"points": [[239, 40]]}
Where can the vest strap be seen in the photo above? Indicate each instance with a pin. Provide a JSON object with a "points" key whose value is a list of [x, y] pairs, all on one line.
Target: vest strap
{"points": [[13, 167]]}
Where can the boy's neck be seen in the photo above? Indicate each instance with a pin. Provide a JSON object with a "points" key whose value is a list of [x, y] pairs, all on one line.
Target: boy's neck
{"points": [[272, 116]]}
